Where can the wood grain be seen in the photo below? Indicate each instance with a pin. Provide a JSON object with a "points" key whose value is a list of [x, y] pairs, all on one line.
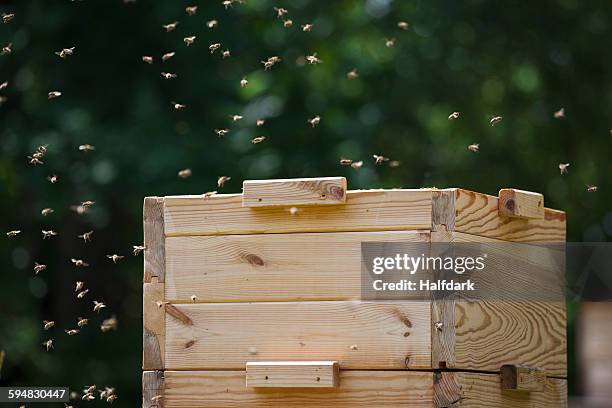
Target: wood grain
{"points": [[520, 203], [371, 210], [271, 267], [289, 192], [153, 389], [478, 214], [367, 389], [154, 254], [520, 378], [292, 374], [153, 332], [363, 335]]}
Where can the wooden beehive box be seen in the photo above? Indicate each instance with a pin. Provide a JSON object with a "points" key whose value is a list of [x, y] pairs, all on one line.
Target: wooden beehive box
{"points": [[253, 300]]}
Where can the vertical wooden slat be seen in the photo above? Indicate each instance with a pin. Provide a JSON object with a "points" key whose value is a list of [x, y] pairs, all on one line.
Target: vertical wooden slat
{"points": [[153, 389], [154, 254], [154, 327]]}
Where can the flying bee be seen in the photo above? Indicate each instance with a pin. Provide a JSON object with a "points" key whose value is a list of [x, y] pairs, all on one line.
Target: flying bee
{"points": [[88, 397], [346, 162], [79, 263], [48, 344], [111, 398], [109, 324], [390, 42], [592, 188], [214, 47], [170, 26], [287, 23], [65, 52], [357, 165], [222, 180], [82, 294], [147, 58], [270, 62], [352, 74], [52, 179], [3, 85], [212, 23], [54, 94], [87, 204], [47, 324], [454, 115], [167, 56], [191, 10], [258, 139], [79, 285], [137, 249], [379, 159], [3, 99], [48, 234], [312, 59], [185, 173], [86, 148], [178, 106], [394, 163], [227, 4], [13, 233], [35, 160], [495, 120], [243, 82], [6, 18], [7, 49], [157, 398], [38, 268], [260, 122], [72, 332], [563, 168], [221, 132], [307, 28], [474, 147], [89, 390], [98, 306], [86, 236], [115, 258], [280, 12], [314, 122], [189, 40], [560, 114], [168, 75], [402, 25], [46, 211], [81, 322], [226, 54], [235, 118]]}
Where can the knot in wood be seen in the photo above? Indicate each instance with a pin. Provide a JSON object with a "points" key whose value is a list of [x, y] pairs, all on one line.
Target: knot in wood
{"points": [[254, 260]]}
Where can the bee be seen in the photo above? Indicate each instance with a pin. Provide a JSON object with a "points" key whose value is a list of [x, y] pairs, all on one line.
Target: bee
{"points": [[72, 332], [52, 179], [34, 160], [258, 139], [312, 59], [48, 344], [221, 132], [157, 398], [209, 194], [54, 94], [168, 75], [227, 3], [38, 268], [167, 56], [226, 54], [495, 120], [178, 106], [82, 294], [3, 85], [345, 162], [280, 12], [454, 115], [307, 28], [7, 49], [560, 114], [79, 285], [148, 59], [89, 390], [115, 258], [293, 210], [13, 233], [79, 263], [474, 147], [270, 62], [357, 165], [394, 163], [222, 180], [98, 306], [314, 122], [563, 168], [48, 234], [47, 324], [191, 10], [65, 52], [81, 322], [235, 118], [390, 42], [352, 74], [137, 249], [402, 25], [86, 236], [260, 122], [86, 148], [214, 47], [353, 347], [111, 398], [212, 23], [170, 26], [185, 173], [189, 40], [243, 82], [88, 397], [6, 18], [46, 211], [109, 324], [288, 23], [591, 188], [379, 159]]}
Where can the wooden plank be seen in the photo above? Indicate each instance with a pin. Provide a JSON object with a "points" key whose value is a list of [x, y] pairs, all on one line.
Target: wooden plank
{"points": [[520, 203], [289, 192], [153, 389], [371, 210], [292, 374], [153, 333], [522, 378], [361, 335], [225, 389], [271, 267], [478, 214], [154, 254], [476, 390]]}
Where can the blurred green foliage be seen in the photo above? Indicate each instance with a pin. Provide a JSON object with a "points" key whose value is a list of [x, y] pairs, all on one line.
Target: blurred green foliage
{"points": [[521, 60]]}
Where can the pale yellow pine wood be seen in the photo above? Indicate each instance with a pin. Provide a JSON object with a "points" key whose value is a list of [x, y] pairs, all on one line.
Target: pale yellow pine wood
{"points": [[292, 374], [521, 378], [290, 192], [520, 203]]}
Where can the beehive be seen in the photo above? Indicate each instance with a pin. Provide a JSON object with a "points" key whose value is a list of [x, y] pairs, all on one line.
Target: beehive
{"points": [[253, 300]]}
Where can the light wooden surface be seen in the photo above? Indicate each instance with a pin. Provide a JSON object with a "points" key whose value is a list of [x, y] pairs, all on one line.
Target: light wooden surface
{"points": [[520, 203], [363, 335], [367, 389], [271, 267], [153, 389], [520, 378], [153, 225], [153, 333], [290, 192], [594, 350], [371, 210], [292, 374]]}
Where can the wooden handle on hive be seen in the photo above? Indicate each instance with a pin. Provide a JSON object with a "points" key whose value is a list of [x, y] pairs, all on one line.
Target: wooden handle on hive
{"points": [[292, 192], [292, 374], [521, 378]]}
